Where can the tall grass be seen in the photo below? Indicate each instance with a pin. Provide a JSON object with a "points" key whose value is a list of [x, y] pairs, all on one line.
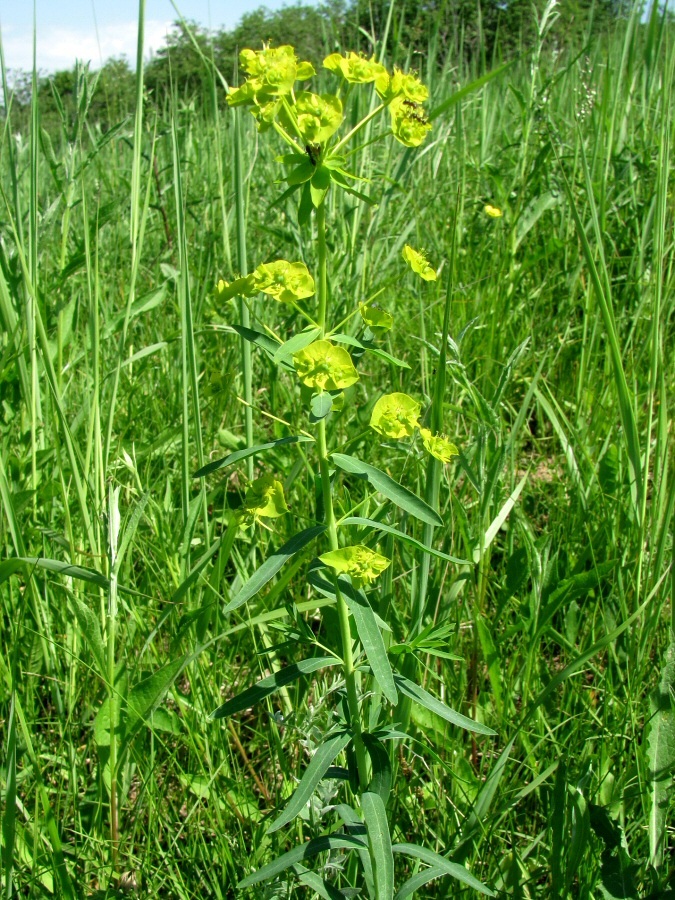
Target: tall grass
{"points": [[549, 362]]}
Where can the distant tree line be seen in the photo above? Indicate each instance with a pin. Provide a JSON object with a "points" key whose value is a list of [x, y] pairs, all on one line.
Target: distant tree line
{"points": [[475, 31]]}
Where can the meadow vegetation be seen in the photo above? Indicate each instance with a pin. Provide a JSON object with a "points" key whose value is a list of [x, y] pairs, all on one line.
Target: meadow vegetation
{"points": [[192, 432]]}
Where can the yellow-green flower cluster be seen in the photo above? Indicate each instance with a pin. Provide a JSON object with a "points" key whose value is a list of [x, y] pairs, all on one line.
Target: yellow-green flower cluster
{"points": [[397, 415], [264, 499], [285, 281], [272, 73], [325, 367], [362, 564], [418, 262]]}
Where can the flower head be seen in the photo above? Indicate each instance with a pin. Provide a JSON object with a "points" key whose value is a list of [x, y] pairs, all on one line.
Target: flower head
{"points": [[324, 366], [285, 281], [493, 211], [438, 445], [265, 498], [359, 562], [318, 116], [395, 416], [409, 123], [419, 263], [271, 72], [354, 68], [401, 84]]}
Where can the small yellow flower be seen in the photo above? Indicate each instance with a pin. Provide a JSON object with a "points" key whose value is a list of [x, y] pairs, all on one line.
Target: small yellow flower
{"points": [[438, 445], [360, 563], [285, 281], [493, 211], [395, 416], [324, 366], [354, 68], [419, 263], [265, 498]]}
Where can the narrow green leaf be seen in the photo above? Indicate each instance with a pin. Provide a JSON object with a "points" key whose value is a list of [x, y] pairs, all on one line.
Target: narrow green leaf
{"points": [[91, 631], [272, 565], [297, 342], [402, 536], [315, 771], [661, 756], [195, 572], [392, 490], [145, 697], [440, 862], [467, 89], [373, 643], [10, 566], [272, 683], [424, 876], [379, 839], [319, 885], [250, 451], [130, 530], [304, 851], [380, 783], [425, 699]]}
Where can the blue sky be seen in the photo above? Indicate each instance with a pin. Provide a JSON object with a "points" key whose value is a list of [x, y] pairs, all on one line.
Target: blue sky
{"points": [[94, 30]]}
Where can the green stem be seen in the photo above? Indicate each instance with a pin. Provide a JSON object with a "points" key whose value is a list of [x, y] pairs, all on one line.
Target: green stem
{"points": [[343, 615], [329, 512], [323, 270]]}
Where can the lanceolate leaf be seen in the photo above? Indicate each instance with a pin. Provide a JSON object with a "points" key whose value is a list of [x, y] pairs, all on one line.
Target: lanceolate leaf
{"points": [[304, 851], [319, 885], [373, 644], [375, 816], [424, 698], [380, 783], [272, 683], [146, 696], [315, 771], [440, 862], [661, 755], [249, 451], [91, 629], [392, 490], [10, 566], [417, 881], [402, 536], [272, 565]]}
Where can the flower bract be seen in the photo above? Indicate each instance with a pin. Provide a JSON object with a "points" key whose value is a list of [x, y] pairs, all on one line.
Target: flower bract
{"points": [[438, 445], [419, 263], [378, 320], [265, 498], [354, 68], [395, 416], [285, 281], [240, 287], [359, 562], [324, 366]]}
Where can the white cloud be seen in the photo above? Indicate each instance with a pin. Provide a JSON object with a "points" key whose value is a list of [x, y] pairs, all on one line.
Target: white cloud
{"points": [[59, 47]]}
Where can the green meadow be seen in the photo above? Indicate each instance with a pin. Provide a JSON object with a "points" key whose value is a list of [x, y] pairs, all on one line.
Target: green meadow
{"points": [[480, 699]]}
